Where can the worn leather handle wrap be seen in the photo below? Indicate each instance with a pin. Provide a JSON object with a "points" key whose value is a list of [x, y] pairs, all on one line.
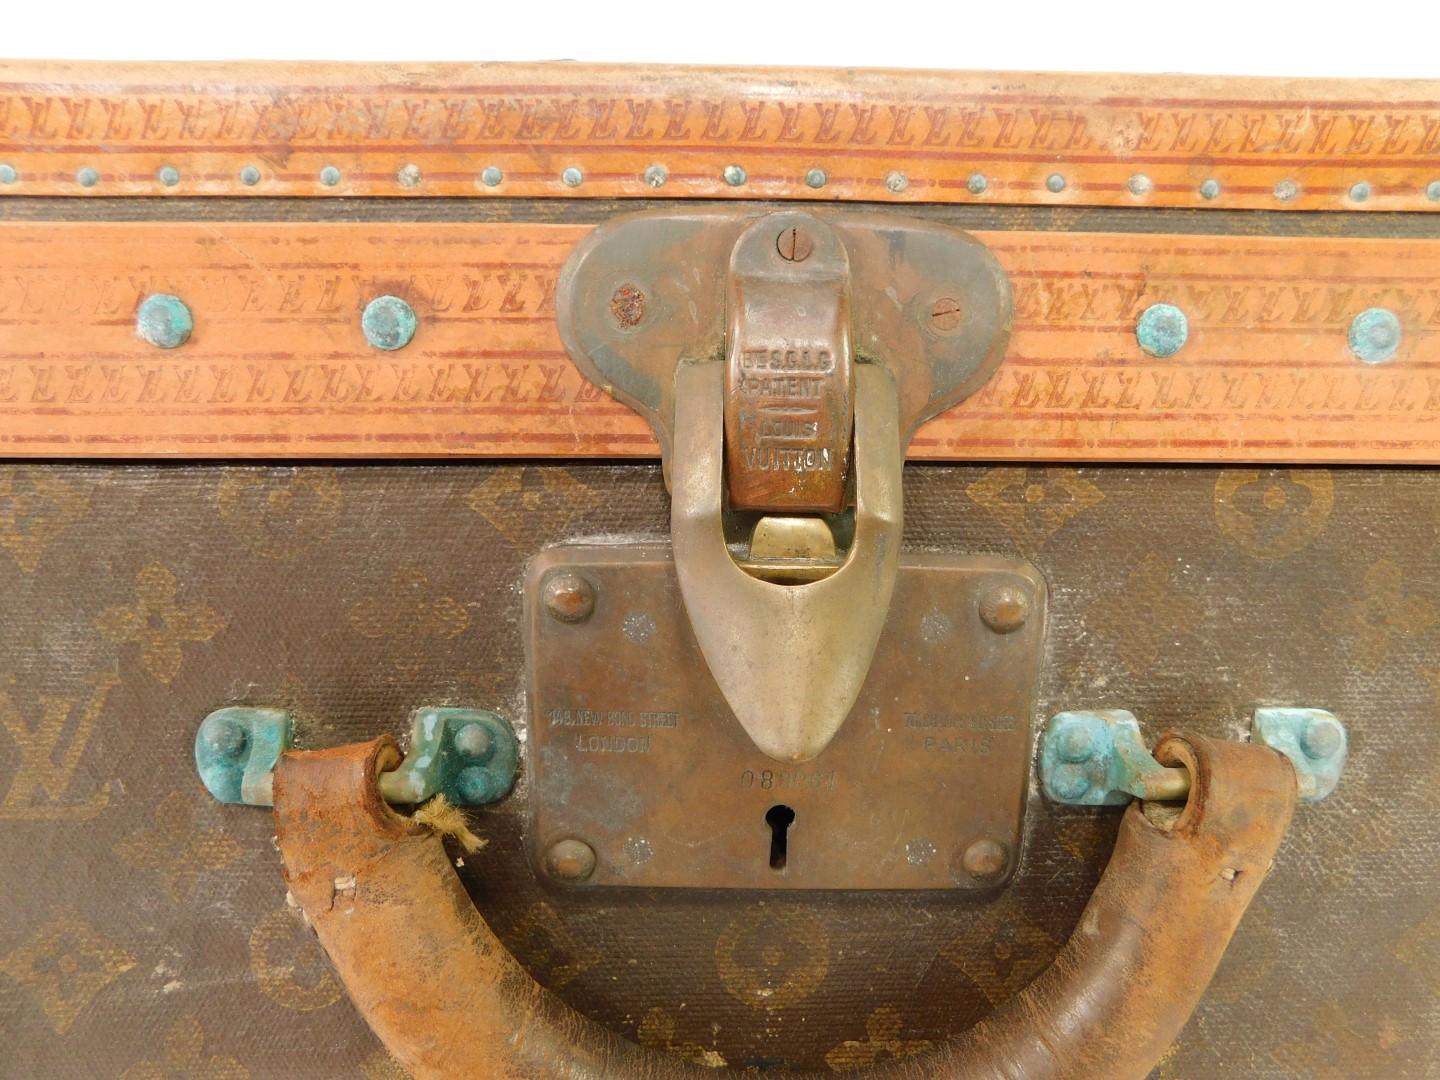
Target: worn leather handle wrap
{"points": [[449, 1001]]}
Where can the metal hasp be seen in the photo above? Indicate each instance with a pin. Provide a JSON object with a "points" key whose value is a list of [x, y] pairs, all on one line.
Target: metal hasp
{"points": [[1099, 758], [790, 385], [470, 756]]}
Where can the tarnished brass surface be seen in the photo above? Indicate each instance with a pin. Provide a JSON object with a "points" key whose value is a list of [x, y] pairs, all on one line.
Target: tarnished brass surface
{"points": [[635, 752], [791, 550], [642, 293], [790, 659], [788, 405]]}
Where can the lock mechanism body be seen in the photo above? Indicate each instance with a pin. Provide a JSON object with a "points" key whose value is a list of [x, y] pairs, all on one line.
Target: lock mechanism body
{"points": [[780, 697]]}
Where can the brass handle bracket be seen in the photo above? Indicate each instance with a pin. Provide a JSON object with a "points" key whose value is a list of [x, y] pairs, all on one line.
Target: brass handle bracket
{"points": [[1098, 758], [471, 756]]}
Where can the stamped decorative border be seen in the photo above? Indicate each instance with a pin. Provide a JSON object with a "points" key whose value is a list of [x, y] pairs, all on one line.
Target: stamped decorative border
{"points": [[253, 340], [573, 130]]}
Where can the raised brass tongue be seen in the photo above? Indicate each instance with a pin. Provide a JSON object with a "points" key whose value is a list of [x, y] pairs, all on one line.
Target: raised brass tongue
{"points": [[788, 409]]}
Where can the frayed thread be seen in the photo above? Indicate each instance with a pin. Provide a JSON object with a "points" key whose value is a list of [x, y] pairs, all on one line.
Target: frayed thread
{"points": [[448, 819]]}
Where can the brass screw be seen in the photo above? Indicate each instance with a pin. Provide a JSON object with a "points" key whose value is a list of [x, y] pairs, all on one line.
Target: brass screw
{"points": [[568, 597], [1004, 608], [945, 316], [570, 860], [794, 245], [986, 859]]}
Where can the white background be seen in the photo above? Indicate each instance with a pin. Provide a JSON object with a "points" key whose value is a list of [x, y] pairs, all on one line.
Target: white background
{"points": [[1259, 37]]}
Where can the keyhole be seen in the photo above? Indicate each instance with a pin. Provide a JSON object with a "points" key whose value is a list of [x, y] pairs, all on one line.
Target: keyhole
{"points": [[779, 818]]}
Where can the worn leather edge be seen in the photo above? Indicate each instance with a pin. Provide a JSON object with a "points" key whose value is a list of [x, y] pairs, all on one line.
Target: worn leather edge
{"points": [[448, 1000]]}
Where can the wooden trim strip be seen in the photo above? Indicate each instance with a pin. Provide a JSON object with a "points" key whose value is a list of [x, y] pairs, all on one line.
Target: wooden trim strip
{"points": [[278, 365], [1115, 140]]}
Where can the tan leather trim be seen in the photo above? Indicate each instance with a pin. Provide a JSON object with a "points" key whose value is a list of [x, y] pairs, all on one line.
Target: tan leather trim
{"points": [[278, 366], [449, 1001], [431, 129]]}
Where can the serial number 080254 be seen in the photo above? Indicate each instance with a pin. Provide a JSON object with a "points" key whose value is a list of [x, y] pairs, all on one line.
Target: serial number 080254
{"points": [[784, 779]]}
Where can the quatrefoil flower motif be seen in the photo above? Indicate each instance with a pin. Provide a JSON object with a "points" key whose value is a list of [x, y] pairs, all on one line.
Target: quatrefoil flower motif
{"points": [[158, 623]]}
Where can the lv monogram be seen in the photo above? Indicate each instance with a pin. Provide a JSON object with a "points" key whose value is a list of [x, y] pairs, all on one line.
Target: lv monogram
{"points": [[50, 753]]}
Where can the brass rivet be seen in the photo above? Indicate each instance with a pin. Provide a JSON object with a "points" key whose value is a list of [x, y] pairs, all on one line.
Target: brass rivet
{"points": [[474, 740], [1321, 739], [388, 323], [568, 597], [1004, 608], [570, 860], [986, 859], [164, 321]]}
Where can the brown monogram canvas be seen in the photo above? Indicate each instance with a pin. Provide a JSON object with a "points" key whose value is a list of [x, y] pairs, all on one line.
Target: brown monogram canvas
{"points": [[145, 932]]}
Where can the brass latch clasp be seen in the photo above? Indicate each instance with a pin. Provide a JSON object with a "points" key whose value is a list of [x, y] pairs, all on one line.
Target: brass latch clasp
{"points": [[784, 360]]}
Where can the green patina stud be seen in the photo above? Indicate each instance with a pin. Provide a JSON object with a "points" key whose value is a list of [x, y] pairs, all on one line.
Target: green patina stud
{"points": [[1097, 759], [164, 321], [470, 756], [389, 323], [1162, 330], [1375, 335], [1313, 739], [236, 751]]}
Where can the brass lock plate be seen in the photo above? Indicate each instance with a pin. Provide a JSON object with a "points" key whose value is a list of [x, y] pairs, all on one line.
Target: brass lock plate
{"points": [[635, 755]]}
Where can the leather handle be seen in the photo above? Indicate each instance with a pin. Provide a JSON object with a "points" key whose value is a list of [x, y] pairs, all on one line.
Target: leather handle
{"points": [[449, 1000]]}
